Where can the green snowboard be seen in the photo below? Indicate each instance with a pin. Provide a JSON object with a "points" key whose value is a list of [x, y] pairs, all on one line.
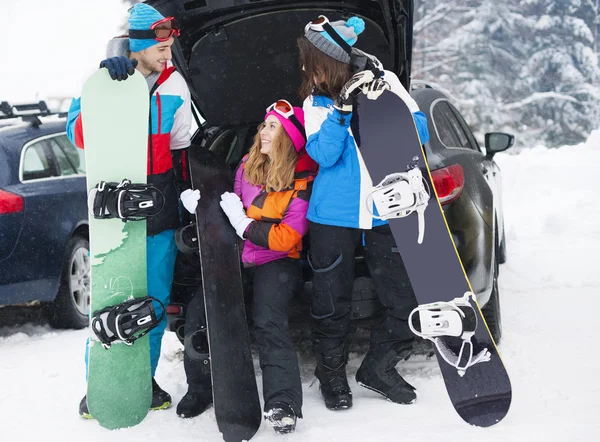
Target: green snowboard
{"points": [[115, 131]]}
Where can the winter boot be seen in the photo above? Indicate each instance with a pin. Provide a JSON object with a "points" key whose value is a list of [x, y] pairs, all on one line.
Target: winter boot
{"points": [[281, 417], [196, 400], [378, 373], [160, 398], [160, 401], [331, 372], [83, 408]]}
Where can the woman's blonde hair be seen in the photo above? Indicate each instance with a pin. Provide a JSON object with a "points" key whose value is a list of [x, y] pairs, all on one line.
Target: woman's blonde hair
{"points": [[274, 171]]}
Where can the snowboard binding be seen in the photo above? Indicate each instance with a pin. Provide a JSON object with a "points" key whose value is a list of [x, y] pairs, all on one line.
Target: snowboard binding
{"points": [[126, 322], [400, 194], [456, 318], [124, 200], [186, 239]]}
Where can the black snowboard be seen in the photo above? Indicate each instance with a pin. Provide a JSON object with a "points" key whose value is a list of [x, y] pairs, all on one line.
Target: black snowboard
{"points": [[235, 393], [388, 142]]}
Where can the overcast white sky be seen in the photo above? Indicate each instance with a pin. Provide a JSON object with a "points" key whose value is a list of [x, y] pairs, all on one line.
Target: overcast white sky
{"points": [[50, 47]]}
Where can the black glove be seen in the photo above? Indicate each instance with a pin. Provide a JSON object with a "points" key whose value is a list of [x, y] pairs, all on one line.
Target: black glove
{"points": [[119, 68]]}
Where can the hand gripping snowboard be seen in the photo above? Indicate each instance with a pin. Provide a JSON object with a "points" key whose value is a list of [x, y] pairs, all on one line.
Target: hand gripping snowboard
{"points": [[235, 393], [448, 313], [115, 130]]}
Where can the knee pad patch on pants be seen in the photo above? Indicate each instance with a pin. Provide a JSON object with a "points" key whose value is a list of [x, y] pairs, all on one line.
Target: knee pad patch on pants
{"points": [[326, 281]]}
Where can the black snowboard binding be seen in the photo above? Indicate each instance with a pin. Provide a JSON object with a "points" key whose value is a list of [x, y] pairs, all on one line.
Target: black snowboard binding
{"points": [[451, 326], [124, 200], [126, 322], [186, 239]]}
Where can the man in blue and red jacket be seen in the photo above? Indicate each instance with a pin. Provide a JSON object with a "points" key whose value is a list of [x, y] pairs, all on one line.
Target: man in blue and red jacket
{"points": [[150, 39]]}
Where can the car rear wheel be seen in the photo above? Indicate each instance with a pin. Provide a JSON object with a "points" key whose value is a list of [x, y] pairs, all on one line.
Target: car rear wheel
{"points": [[70, 309], [491, 311]]}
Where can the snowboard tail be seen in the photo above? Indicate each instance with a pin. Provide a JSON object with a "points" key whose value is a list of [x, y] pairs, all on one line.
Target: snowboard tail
{"points": [[389, 144], [235, 393]]}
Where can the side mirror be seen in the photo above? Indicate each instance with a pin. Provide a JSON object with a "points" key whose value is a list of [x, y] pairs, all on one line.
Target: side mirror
{"points": [[497, 142]]}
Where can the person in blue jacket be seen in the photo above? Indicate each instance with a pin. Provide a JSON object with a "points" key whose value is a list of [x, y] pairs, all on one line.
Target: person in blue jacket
{"points": [[340, 218]]}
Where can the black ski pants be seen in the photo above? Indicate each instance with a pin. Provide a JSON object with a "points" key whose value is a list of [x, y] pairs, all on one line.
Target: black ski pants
{"points": [[274, 285], [332, 257]]}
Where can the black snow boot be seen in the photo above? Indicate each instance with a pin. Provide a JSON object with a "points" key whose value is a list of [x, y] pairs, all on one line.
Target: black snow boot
{"points": [[331, 372], [378, 372], [160, 398], [281, 417], [195, 401], [83, 408]]}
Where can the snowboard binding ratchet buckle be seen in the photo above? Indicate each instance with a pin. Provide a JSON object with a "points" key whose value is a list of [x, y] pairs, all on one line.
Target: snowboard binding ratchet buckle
{"points": [[126, 322], [124, 200], [400, 194], [455, 318]]}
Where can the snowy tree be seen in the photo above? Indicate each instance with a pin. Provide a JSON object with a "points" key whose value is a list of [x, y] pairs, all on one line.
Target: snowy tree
{"points": [[563, 72], [530, 68]]}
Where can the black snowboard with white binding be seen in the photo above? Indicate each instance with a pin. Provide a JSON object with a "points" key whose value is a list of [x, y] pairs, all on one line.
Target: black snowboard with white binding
{"points": [[448, 314]]}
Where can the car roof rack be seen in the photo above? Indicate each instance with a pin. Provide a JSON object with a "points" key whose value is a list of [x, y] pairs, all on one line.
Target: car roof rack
{"points": [[29, 112]]}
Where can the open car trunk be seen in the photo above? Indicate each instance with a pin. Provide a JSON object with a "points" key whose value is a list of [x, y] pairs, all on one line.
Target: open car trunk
{"points": [[239, 56]]}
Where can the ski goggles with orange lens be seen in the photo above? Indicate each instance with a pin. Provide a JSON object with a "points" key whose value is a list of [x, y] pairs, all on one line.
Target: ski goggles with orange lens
{"points": [[161, 30], [282, 107], [317, 24], [286, 110]]}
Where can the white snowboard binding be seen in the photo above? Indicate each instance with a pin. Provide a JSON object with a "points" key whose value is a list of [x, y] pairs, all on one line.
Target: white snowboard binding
{"points": [[455, 318], [400, 194]]}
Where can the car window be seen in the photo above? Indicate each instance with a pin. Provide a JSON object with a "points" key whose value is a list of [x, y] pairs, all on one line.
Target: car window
{"points": [[64, 164], [443, 127], [75, 156], [36, 162], [466, 129]]}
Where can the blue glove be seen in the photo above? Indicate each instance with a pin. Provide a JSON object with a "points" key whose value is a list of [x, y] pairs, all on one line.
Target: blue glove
{"points": [[119, 68]]}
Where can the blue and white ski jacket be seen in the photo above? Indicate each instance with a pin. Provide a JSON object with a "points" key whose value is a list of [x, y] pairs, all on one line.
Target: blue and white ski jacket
{"points": [[343, 182]]}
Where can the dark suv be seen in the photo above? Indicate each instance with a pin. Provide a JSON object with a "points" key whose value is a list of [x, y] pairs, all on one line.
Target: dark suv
{"points": [[239, 55], [43, 215]]}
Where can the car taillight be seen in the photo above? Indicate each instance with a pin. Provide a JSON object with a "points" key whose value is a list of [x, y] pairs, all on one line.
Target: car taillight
{"points": [[10, 203], [174, 310], [448, 182]]}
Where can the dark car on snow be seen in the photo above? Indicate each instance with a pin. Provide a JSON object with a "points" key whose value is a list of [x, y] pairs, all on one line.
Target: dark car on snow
{"points": [[43, 216], [239, 56]]}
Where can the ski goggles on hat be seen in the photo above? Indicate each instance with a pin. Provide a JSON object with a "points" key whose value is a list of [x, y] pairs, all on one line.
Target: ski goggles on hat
{"points": [[322, 24], [283, 108], [161, 30], [286, 110], [317, 24]]}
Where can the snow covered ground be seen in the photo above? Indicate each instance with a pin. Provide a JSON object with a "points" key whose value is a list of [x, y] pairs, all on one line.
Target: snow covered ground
{"points": [[550, 298]]}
